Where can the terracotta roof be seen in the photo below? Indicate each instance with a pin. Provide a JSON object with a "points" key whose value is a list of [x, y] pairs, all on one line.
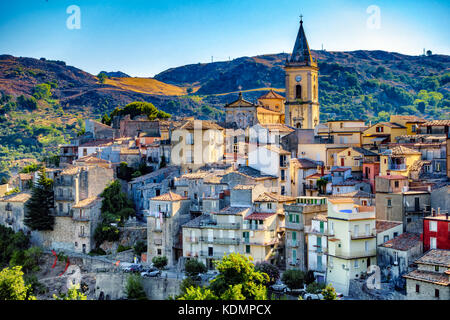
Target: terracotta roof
{"points": [[91, 159], [25, 176], [170, 196], [417, 165], [394, 177], [316, 175], [259, 215], [277, 149], [410, 118], [436, 257], [383, 225], [272, 95], [388, 124], [400, 150], [403, 242], [428, 276], [364, 151], [199, 124], [71, 170], [196, 175], [273, 197], [354, 194], [97, 143], [303, 163], [86, 202], [253, 173], [436, 123], [233, 211], [16, 197], [244, 187]]}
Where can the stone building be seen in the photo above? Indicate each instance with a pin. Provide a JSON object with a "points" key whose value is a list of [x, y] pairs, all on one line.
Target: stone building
{"points": [[396, 256], [12, 210], [431, 280], [167, 213], [76, 187], [396, 202], [150, 185], [316, 243]]}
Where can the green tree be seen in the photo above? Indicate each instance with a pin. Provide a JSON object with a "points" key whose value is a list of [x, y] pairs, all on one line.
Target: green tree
{"points": [[106, 119], [73, 293], [198, 293], [134, 289], [329, 293], [29, 259], [309, 277], [42, 91], [12, 285], [193, 267], [315, 287], [322, 184], [293, 278], [38, 215], [115, 203], [238, 270], [102, 77], [187, 283], [140, 247], [159, 261], [271, 270]]}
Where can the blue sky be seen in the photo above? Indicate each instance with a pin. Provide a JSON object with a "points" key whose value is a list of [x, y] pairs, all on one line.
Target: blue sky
{"points": [[145, 37]]}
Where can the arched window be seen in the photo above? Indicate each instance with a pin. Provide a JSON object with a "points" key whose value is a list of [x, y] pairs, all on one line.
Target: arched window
{"points": [[298, 91]]}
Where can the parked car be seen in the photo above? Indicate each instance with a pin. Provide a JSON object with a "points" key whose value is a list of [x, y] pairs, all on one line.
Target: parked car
{"points": [[280, 287], [154, 273], [135, 267], [312, 296], [299, 291]]}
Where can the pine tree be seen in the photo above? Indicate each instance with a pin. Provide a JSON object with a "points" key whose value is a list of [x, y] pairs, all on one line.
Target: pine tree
{"points": [[41, 204]]}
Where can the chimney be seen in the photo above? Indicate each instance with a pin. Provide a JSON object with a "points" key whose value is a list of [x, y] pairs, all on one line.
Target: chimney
{"points": [[321, 170], [439, 211], [432, 212], [446, 215]]}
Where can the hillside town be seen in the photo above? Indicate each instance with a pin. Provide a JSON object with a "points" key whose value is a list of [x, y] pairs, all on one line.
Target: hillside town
{"points": [[361, 206]]}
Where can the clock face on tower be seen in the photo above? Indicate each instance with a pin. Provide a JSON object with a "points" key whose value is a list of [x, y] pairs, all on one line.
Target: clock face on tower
{"points": [[298, 78]]}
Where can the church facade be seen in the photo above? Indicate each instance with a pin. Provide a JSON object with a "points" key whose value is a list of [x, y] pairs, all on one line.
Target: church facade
{"points": [[299, 109]]}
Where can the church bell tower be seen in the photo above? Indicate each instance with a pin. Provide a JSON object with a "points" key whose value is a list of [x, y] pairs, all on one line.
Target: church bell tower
{"points": [[302, 85]]}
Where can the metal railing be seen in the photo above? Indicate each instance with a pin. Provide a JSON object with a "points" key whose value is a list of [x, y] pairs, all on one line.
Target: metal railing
{"points": [[214, 224], [397, 166], [363, 235], [82, 218], [292, 243], [259, 227], [218, 240]]}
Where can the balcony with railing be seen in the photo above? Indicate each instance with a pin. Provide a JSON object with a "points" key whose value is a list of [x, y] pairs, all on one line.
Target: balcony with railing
{"points": [[211, 255], [82, 235], [293, 262], [9, 220], [222, 225], [8, 207], [352, 254], [363, 235], [260, 242], [218, 240]]}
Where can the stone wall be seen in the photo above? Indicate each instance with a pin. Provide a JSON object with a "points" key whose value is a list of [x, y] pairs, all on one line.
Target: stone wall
{"points": [[358, 289], [113, 286], [426, 291]]}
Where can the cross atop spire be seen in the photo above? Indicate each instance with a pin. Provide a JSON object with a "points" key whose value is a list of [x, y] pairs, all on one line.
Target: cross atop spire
{"points": [[301, 53]]}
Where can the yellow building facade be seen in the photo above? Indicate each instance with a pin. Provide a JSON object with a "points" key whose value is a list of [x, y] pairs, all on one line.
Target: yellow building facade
{"points": [[398, 161], [351, 245]]}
